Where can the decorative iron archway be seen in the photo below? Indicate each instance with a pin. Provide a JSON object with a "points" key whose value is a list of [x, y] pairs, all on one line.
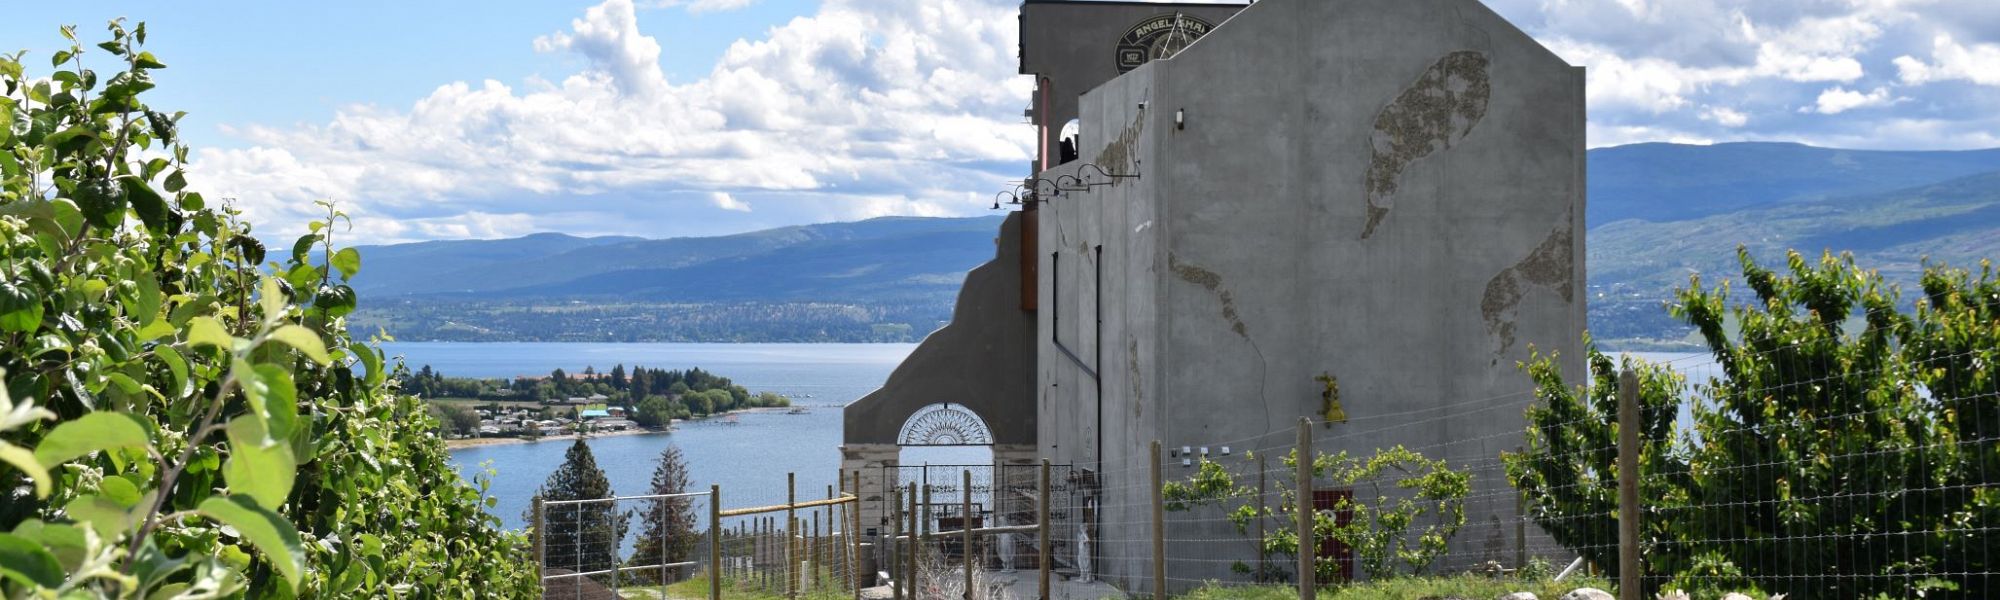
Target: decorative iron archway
{"points": [[944, 425]]}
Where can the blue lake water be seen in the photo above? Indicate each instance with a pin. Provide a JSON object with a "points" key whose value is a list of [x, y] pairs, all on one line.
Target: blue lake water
{"points": [[749, 458]]}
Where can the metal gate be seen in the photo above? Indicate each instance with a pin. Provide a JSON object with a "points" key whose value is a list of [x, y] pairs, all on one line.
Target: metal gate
{"points": [[1001, 496]]}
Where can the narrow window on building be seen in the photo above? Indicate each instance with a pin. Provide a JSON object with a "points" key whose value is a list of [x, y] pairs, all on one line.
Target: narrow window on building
{"points": [[1055, 297]]}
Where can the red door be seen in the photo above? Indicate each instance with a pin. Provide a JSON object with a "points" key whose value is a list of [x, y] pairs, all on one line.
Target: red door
{"points": [[1326, 500]]}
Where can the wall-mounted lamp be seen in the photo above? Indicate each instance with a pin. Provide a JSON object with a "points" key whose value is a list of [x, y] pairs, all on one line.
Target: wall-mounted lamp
{"points": [[1076, 184], [1187, 462], [1180, 119], [1204, 451], [1101, 172], [1225, 451]]}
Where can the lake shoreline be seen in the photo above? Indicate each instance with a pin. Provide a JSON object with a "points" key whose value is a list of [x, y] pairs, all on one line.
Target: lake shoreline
{"points": [[460, 444]]}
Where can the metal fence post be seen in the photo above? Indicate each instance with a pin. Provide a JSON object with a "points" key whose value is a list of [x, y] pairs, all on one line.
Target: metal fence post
{"points": [[714, 542], [576, 517], [617, 570], [965, 527], [1042, 524], [665, 537], [1303, 509], [1628, 485], [1159, 529]]}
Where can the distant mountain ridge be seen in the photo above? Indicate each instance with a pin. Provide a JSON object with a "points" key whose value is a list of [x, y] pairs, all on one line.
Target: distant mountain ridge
{"points": [[1677, 182], [550, 265], [1657, 213], [885, 279]]}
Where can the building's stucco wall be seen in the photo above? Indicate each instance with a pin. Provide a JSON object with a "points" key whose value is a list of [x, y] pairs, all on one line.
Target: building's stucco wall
{"points": [[1252, 268]]}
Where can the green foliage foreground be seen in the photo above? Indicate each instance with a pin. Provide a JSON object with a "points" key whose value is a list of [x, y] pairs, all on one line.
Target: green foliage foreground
{"points": [[1397, 531], [200, 423], [1848, 451]]}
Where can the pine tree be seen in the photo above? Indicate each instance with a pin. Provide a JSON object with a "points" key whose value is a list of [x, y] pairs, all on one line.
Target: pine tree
{"points": [[586, 536], [670, 535]]}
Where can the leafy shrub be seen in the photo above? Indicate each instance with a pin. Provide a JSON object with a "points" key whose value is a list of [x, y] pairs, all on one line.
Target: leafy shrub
{"points": [[1384, 531], [201, 423], [1846, 452]]}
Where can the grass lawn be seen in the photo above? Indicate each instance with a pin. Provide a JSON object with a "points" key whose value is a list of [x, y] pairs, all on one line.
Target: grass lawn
{"points": [[1471, 587]]}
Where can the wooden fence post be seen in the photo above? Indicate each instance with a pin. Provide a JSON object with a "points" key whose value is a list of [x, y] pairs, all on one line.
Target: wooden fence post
{"points": [[1042, 523], [541, 555], [1520, 523], [965, 527], [854, 536], [1628, 485], [1261, 490], [1159, 529], [1302, 508], [916, 546], [791, 532], [892, 501], [714, 542]]}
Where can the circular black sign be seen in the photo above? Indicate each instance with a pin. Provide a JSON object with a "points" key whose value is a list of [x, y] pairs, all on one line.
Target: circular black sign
{"points": [[1158, 37]]}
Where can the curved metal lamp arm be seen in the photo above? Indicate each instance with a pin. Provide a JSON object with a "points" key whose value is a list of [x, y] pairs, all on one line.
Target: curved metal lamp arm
{"points": [[1034, 186], [1100, 171], [1079, 186], [1011, 197]]}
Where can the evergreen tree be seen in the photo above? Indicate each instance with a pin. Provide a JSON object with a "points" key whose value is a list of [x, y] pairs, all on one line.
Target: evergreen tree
{"points": [[586, 536], [669, 524]]}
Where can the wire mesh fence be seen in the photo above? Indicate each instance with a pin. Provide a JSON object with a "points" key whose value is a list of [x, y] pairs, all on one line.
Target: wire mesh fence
{"points": [[619, 547]]}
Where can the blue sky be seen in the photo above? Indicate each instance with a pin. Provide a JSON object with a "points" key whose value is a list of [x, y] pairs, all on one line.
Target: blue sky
{"points": [[660, 118]]}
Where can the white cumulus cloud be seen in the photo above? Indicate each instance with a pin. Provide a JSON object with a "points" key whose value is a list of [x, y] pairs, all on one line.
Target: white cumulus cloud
{"points": [[1836, 100], [865, 104], [725, 201], [1725, 116], [1950, 60]]}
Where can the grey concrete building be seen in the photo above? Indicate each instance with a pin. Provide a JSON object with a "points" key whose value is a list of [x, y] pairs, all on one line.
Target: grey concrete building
{"points": [[1384, 193]]}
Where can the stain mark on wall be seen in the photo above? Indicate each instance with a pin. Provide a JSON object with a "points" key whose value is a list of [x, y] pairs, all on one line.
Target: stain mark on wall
{"points": [[1119, 155], [1429, 117], [1132, 365], [1212, 282], [1549, 266]]}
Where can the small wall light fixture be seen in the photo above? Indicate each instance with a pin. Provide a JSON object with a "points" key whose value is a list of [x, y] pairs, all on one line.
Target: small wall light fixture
{"points": [[1180, 119]]}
